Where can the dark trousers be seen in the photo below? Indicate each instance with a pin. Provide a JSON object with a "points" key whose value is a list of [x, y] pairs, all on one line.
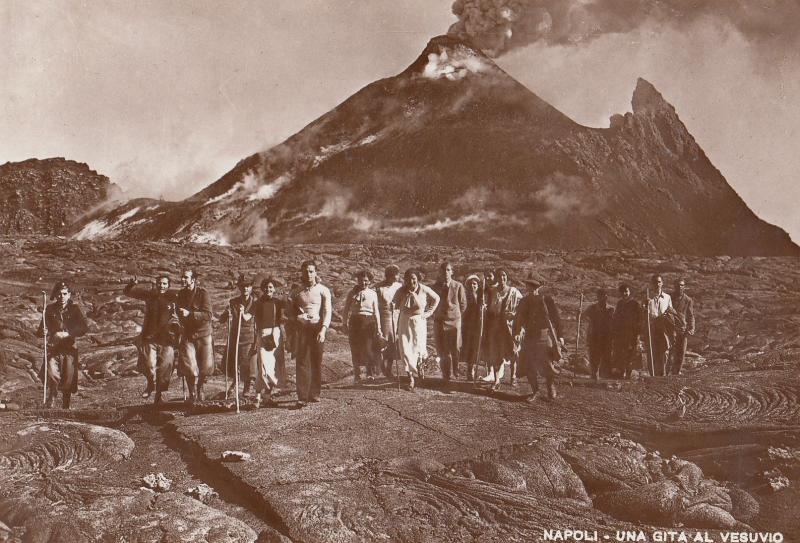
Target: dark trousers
{"points": [[447, 348], [535, 358], [309, 362], [248, 364], [660, 349], [678, 354], [62, 370], [600, 358], [362, 343], [158, 364]]}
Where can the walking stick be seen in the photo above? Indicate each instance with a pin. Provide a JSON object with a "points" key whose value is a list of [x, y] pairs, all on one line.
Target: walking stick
{"points": [[649, 334], [578, 335], [236, 361], [480, 330], [44, 328], [396, 346], [227, 353]]}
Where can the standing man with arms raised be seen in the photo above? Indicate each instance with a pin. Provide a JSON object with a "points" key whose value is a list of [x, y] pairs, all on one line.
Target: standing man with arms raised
{"points": [[63, 322], [684, 307], [447, 320], [160, 333], [196, 348], [312, 313]]}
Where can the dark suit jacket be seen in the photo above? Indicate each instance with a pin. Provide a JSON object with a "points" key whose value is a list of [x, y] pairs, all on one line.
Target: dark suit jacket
{"points": [[198, 323], [685, 308]]}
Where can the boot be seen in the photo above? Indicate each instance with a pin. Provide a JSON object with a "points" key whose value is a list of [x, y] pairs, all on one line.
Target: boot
{"points": [[534, 395], [65, 398], [551, 391]]}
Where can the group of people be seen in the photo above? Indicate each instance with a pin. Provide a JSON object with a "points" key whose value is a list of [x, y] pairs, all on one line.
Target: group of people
{"points": [[483, 321]]}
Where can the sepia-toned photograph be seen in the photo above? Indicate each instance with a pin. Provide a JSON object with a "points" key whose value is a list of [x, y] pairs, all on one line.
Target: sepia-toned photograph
{"points": [[340, 271]]}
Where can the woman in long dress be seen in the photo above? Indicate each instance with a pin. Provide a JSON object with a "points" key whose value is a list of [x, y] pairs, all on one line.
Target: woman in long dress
{"points": [[416, 303], [502, 300]]}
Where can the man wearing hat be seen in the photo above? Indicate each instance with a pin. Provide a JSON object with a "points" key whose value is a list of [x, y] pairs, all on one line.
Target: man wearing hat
{"points": [[386, 290], [196, 348], [63, 322], [243, 328], [538, 317], [447, 320], [160, 333]]}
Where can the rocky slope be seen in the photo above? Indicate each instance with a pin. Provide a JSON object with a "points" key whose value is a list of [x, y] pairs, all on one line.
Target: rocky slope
{"points": [[716, 449], [454, 151], [48, 196]]}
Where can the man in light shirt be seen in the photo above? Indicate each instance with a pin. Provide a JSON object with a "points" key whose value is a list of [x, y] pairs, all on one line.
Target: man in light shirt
{"points": [[659, 308], [312, 313]]}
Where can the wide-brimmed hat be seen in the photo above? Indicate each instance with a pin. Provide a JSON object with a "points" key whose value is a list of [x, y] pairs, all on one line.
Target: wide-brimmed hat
{"points": [[534, 280], [472, 277], [58, 286], [244, 281]]}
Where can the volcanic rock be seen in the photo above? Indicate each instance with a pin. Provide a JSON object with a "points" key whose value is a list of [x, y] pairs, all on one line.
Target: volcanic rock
{"points": [[454, 151], [48, 196]]}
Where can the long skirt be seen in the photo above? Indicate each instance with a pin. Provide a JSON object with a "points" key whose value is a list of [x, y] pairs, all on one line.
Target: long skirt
{"points": [[267, 379], [362, 342], [413, 334]]}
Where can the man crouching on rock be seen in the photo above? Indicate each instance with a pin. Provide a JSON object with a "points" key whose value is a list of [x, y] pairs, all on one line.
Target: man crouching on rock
{"points": [[160, 333], [312, 312], [196, 348], [63, 322]]}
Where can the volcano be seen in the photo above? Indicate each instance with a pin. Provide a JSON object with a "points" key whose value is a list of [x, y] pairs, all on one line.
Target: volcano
{"points": [[454, 151]]}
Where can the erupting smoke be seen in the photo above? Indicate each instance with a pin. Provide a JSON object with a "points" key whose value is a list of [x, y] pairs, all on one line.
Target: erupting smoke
{"points": [[497, 26]]}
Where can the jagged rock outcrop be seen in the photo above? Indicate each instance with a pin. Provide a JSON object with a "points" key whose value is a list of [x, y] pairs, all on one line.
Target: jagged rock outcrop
{"points": [[48, 196]]}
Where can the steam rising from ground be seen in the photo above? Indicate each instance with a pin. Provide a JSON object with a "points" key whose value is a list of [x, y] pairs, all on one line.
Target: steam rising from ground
{"points": [[497, 26]]}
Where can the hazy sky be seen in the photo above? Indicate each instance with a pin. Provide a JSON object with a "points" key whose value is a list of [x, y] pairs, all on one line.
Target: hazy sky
{"points": [[166, 96]]}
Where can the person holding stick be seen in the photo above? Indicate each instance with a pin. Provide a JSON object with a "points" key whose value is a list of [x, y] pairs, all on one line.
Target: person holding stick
{"points": [[386, 290], [269, 311], [684, 307], [538, 318], [245, 364], [196, 348], [62, 323], [311, 313], [160, 333], [626, 327], [660, 325]]}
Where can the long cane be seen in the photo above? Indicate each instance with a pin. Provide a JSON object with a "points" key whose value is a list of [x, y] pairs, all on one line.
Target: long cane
{"points": [[227, 353], [236, 361], [396, 344], [44, 328], [578, 333], [649, 334], [480, 330]]}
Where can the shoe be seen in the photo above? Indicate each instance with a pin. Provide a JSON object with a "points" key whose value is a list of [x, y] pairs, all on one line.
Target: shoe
{"points": [[269, 402], [496, 386], [513, 381], [551, 392], [300, 404], [531, 398], [314, 400], [258, 400], [200, 394], [190, 400], [421, 372], [411, 383], [147, 391]]}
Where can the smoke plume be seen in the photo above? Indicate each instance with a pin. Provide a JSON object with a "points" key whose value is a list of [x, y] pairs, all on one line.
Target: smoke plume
{"points": [[498, 26]]}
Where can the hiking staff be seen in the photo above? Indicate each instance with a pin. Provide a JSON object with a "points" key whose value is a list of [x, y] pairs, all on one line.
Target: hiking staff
{"points": [[578, 334], [396, 346], [649, 333], [236, 361], [481, 312], [44, 327], [228, 354]]}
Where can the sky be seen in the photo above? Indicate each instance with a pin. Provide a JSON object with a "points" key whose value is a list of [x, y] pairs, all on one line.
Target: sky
{"points": [[165, 96]]}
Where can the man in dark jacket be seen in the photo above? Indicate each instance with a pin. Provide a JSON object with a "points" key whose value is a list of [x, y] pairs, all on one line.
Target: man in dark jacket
{"points": [[447, 320], [160, 333], [538, 317], [626, 327], [63, 322], [684, 307], [196, 348], [242, 304], [598, 336]]}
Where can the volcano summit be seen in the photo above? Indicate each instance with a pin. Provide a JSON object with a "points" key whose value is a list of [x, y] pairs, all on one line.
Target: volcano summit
{"points": [[455, 151]]}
